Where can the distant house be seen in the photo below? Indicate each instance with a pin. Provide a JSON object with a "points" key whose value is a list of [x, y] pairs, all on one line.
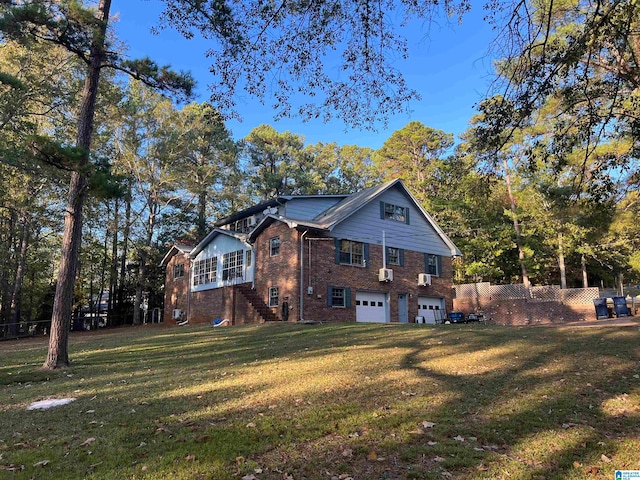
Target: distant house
{"points": [[316, 258]]}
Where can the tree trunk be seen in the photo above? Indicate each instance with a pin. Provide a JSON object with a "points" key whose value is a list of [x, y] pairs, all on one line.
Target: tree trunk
{"points": [[620, 286], [113, 276], [561, 265], [58, 354], [516, 225], [202, 215], [123, 260], [585, 280], [7, 268], [142, 268], [19, 279]]}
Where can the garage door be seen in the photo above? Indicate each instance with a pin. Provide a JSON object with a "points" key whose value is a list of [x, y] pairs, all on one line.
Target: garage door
{"points": [[371, 307], [431, 308]]}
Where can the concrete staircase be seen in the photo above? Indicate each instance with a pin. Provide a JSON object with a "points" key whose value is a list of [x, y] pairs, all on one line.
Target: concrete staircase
{"points": [[257, 303]]}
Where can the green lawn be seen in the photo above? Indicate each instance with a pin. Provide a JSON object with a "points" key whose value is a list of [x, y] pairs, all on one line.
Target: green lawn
{"points": [[326, 401]]}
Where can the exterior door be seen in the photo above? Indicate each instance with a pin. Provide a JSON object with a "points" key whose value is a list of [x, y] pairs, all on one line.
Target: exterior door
{"points": [[403, 308], [431, 309], [371, 307]]}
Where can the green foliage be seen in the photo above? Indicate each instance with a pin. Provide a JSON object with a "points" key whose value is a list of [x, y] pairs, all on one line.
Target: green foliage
{"points": [[290, 42]]}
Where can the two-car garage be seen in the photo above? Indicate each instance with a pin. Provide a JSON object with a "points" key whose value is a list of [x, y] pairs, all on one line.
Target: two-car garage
{"points": [[373, 307]]}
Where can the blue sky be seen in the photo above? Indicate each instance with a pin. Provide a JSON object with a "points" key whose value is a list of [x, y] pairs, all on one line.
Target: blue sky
{"points": [[448, 64]]}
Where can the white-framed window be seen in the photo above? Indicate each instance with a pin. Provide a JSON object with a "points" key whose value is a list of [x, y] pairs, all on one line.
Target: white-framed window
{"points": [[178, 270], [351, 253], [274, 298], [205, 271], [232, 264], [390, 211], [274, 246]]}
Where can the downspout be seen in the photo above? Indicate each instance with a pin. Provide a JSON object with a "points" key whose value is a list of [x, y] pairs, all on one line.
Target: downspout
{"points": [[301, 302], [189, 283]]}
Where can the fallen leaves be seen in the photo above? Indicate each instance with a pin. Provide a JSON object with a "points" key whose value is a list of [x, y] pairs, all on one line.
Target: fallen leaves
{"points": [[88, 442]]}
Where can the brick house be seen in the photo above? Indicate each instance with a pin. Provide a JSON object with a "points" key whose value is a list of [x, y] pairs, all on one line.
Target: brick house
{"points": [[373, 256]]}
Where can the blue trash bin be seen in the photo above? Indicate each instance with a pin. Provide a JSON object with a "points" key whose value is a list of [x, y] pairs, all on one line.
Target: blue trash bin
{"points": [[601, 307], [620, 307]]}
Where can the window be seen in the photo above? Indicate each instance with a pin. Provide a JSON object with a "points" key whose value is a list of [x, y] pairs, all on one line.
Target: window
{"points": [[274, 246], [178, 270], [432, 262], [351, 253], [205, 271], [389, 211], [232, 263], [249, 259], [337, 297], [273, 296], [395, 256]]}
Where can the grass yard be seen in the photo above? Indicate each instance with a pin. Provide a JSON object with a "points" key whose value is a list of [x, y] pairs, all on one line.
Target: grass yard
{"points": [[326, 402]]}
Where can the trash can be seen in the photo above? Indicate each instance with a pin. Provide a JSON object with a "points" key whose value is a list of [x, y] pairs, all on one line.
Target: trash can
{"points": [[620, 307], [601, 308], [419, 319]]}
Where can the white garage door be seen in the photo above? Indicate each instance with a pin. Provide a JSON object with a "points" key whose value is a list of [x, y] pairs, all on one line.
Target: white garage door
{"points": [[431, 308], [371, 307]]}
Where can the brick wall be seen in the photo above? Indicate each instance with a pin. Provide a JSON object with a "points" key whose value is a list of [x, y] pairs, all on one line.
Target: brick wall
{"points": [[325, 272], [175, 290], [224, 302], [282, 271], [523, 311]]}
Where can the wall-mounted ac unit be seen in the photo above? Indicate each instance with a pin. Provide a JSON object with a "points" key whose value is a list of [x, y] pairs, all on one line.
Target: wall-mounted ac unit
{"points": [[424, 279], [385, 275], [252, 221], [177, 314]]}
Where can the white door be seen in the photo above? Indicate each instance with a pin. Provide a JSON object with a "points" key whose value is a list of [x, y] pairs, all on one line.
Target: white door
{"points": [[371, 307], [431, 309]]}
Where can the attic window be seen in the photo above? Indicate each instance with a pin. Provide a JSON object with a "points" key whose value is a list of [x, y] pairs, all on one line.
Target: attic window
{"points": [[389, 211]]}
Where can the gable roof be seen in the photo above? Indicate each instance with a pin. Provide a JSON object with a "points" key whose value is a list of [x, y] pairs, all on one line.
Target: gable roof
{"points": [[214, 233], [291, 223], [350, 205], [325, 221], [335, 215], [174, 250]]}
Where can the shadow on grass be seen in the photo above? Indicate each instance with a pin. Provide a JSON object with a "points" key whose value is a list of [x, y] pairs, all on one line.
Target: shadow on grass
{"points": [[319, 400]]}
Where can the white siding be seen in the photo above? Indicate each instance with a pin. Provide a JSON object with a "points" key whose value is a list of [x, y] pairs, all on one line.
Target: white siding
{"points": [[220, 245], [366, 226], [308, 208]]}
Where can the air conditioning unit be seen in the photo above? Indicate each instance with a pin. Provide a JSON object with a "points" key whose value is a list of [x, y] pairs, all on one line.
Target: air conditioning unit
{"points": [[252, 221], [424, 279], [177, 314], [385, 275]]}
